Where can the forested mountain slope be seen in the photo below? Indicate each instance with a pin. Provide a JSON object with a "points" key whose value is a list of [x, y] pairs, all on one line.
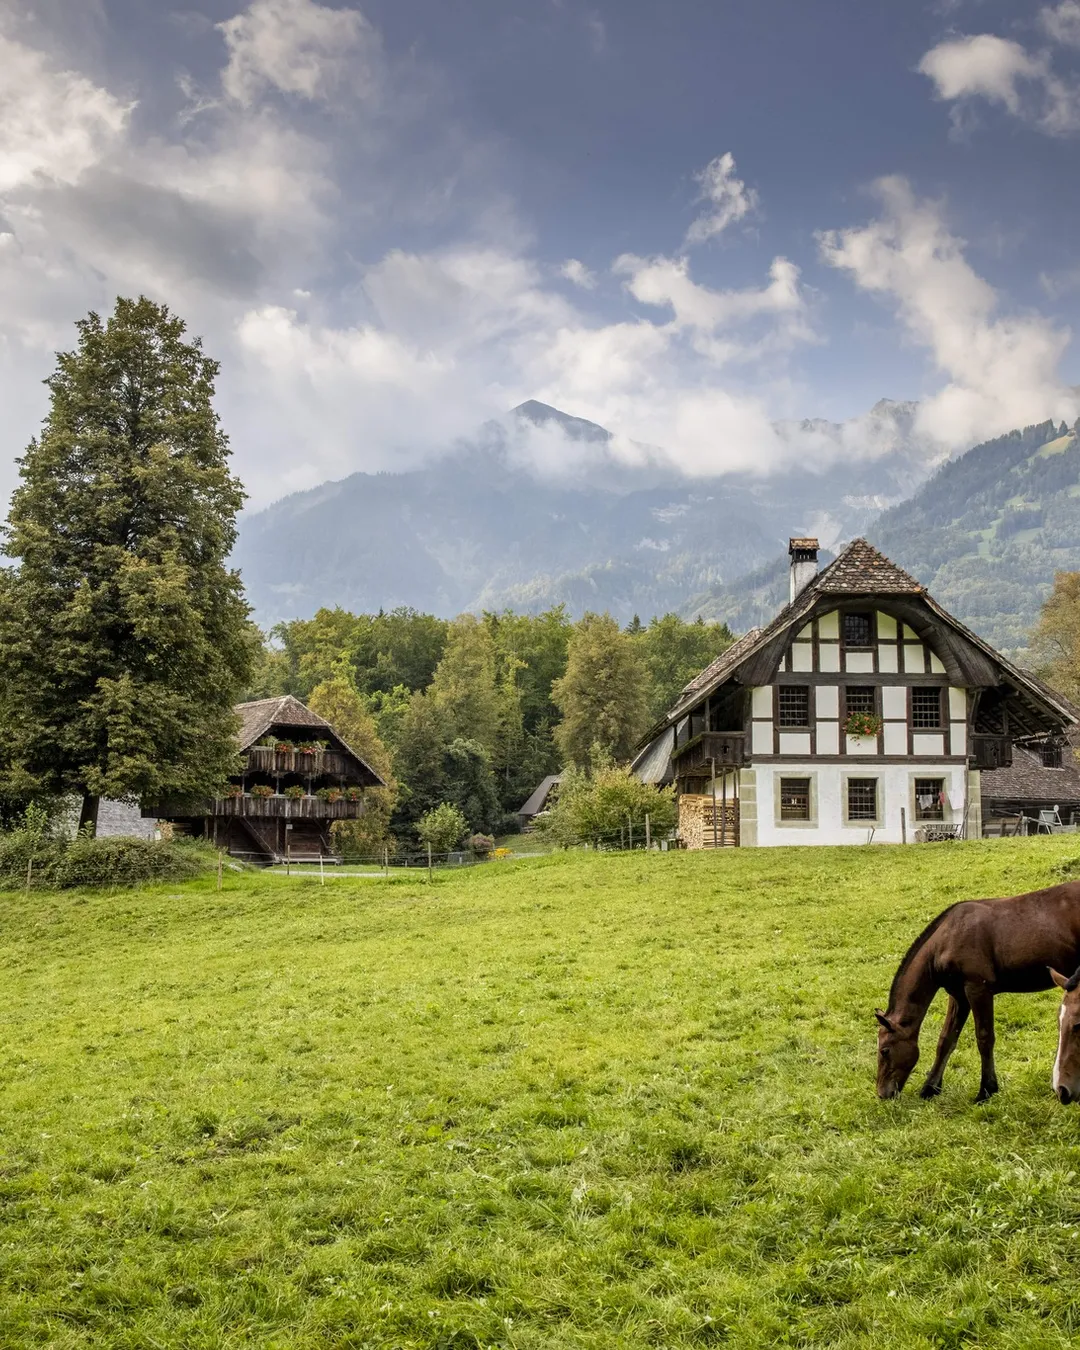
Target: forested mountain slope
{"points": [[985, 533]]}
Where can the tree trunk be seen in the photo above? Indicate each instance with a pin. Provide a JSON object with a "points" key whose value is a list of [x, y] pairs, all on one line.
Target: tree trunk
{"points": [[89, 814]]}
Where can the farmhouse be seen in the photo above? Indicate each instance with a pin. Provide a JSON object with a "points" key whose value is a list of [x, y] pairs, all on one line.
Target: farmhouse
{"points": [[296, 776], [862, 711]]}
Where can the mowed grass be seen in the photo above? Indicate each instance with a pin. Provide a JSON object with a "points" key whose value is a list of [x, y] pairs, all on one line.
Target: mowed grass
{"points": [[589, 1101]]}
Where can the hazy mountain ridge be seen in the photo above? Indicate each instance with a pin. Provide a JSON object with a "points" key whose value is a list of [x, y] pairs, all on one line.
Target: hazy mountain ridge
{"points": [[985, 534], [477, 529]]}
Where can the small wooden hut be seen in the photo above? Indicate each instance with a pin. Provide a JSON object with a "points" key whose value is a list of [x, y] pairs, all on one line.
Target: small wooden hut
{"points": [[296, 777]]}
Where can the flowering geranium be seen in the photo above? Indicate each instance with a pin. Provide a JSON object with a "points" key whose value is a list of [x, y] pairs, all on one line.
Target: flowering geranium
{"points": [[262, 791], [862, 724]]}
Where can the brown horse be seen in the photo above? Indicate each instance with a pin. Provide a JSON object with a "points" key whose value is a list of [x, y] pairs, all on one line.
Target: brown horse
{"points": [[1067, 1064], [974, 950]]}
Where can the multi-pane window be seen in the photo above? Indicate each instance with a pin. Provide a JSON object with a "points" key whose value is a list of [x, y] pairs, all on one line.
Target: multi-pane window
{"points": [[858, 630], [859, 698], [929, 799], [793, 705], [794, 798], [925, 708], [862, 798], [1050, 755]]}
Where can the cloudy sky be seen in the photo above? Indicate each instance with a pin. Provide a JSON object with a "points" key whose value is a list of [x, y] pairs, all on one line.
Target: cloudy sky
{"points": [[684, 220]]}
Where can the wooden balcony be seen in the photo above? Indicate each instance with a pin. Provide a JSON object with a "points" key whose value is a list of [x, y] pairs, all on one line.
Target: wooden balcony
{"points": [[990, 752], [305, 763], [724, 748], [277, 807]]}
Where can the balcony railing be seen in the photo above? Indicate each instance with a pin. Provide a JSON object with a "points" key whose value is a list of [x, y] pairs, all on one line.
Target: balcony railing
{"points": [[724, 748], [277, 807], [991, 752], [306, 763]]}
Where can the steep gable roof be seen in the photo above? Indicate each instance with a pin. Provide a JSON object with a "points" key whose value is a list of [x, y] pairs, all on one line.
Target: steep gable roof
{"points": [[260, 715], [860, 569]]}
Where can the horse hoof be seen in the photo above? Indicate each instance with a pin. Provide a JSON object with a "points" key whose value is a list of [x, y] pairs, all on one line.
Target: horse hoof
{"points": [[929, 1090], [985, 1094]]}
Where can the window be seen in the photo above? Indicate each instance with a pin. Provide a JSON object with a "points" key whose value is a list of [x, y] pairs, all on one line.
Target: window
{"points": [[858, 630], [925, 708], [1051, 756], [859, 698], [862, 799], [929, 798], [793, 705], [794, 798]]}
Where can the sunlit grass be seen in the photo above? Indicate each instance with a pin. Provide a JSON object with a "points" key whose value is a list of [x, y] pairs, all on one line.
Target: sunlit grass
{"points": [[590, 1101]]}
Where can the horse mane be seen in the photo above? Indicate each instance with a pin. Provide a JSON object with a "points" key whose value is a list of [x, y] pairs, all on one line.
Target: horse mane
{"points": [[916, 947]]}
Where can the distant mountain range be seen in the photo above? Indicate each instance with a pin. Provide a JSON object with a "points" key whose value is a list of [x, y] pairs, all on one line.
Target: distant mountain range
{"points": [[985, 533], [480, 529]]}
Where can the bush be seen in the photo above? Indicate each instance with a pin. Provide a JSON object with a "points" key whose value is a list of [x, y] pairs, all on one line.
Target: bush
{"points": [[598, 810], [83, 861], [443, 827], [481, 844]]}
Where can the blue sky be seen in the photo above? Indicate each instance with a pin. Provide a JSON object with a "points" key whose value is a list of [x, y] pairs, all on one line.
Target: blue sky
{"points": [[687, 221]]}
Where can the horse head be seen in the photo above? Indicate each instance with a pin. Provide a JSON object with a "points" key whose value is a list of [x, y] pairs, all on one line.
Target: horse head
{"points": [[1067, 1064], [898, 1053]]}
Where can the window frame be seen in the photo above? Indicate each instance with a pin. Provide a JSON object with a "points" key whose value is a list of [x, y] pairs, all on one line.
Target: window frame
{"points": [[863, 822], [781, 725], [917, 726], [916, 813], [811, 821], [871, 642], [875, 700], [801, 791]]}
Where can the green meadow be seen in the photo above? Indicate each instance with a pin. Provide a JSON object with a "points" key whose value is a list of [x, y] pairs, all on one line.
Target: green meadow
{"points": [[579, 1101]]}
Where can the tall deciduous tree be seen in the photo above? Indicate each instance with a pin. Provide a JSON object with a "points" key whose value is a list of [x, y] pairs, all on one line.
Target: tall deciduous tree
{"points": [[345, 709], [674, 652], [602, 696], [1055, 639], [464, 687], [125, 635]]}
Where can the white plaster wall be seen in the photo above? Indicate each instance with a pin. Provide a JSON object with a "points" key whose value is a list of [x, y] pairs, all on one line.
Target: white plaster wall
{"points": [[894, 782]]}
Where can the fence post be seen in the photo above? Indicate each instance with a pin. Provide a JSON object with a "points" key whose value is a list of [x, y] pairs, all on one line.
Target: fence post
{"points": [[386, 860], [648, 833], [429, 873], [903, 825], [29, 873], [219, 868], [322, 878], [630, 822]]}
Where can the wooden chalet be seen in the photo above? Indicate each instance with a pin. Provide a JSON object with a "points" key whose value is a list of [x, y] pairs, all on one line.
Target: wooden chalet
{"points": [[1039, 790], [863, 711], [296, 777]]}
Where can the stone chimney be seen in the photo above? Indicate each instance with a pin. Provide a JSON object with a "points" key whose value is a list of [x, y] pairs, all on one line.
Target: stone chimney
{"points": [[803, 564]]}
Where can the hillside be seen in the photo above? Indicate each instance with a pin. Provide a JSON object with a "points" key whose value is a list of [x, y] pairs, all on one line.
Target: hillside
{"points": [[985, 533], [477, 529], [536, 1104]]}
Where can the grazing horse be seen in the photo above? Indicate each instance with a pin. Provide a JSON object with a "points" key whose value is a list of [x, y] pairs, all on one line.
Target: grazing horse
{"points": [[1067, 1064], [974, 950]]}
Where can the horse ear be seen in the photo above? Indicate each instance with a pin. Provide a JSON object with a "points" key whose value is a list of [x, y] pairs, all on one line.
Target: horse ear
{"points": [[1074, 980], [1062, 981], [883, 1020]]}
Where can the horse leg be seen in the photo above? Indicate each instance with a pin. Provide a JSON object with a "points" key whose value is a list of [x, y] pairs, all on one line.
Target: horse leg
{"points": [[955, 1016], [982, 1011]]}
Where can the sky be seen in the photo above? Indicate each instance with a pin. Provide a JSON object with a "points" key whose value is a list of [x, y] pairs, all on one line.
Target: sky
{"points": [[692, 221]]}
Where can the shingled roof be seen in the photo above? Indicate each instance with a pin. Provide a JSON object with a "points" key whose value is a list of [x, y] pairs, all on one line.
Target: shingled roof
{"points": [[860, 569], [261, 715], [1028, 781]]}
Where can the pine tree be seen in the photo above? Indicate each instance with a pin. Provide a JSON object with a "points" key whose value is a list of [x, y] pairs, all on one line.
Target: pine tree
{"points": [[602, 696], [125, 635]]}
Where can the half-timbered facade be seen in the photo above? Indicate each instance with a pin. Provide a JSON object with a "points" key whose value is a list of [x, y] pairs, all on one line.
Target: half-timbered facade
{"points": [[864, 710], [295, 777]]}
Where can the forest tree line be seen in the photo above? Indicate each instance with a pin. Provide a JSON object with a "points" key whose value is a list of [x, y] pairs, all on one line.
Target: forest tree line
{"points": [[476, 711]]}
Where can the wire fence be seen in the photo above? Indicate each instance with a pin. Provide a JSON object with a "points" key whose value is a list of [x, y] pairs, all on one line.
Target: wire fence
{"points": [[388, 861]]}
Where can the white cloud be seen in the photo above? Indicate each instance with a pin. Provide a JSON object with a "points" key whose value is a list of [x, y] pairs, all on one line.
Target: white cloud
{"points": [[729, 199], [1002, 71], [575, 271], [297, 47], [1062, 23], [54, 123], [1001, 371]]}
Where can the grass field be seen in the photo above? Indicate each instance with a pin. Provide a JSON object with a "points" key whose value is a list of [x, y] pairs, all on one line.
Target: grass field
{"points": [[591, 1101]]}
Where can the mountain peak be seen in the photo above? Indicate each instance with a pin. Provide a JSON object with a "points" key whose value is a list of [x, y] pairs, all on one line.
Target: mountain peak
{"points": [[576, 428]]}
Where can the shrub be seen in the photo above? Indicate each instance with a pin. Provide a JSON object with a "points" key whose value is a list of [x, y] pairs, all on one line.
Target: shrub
{"points": [[83, 861], [481, 844], [599, 809], [443, 827]]}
